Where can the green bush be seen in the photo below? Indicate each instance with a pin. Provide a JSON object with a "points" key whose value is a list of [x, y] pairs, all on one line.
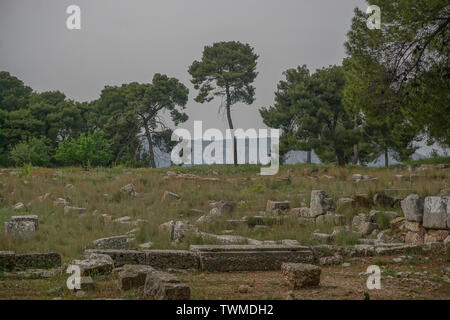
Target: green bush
{"points": [[35, 151], [88, 150]]}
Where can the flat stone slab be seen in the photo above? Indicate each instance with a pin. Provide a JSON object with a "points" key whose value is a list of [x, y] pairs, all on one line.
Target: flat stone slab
{"points": [[301, 275], [133, 276], [37, 260], [120, 257], [20, 229], [394, 249], [176, 259], [69, 209], [116, 242], [30, 218], [94, 264], [33, 274], [359, 250], [164, 286], [250, 257], [222, 248]]}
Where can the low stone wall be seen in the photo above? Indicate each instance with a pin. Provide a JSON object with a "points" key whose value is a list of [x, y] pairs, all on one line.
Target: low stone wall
{"points": [[250, 257], [176, 259], [121, 257], [7, 260], [11, 261]]}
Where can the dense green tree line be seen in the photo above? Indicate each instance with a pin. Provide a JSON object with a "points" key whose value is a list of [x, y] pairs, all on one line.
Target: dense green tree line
{"points": [[391, 91], [48, 129]]}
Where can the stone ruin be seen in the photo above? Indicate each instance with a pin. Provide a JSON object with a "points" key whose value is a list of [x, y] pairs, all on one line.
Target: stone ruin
{"points": [[22, 226]]}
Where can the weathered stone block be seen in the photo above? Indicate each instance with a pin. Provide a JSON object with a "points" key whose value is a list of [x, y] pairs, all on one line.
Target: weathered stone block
{"points": [[249, 257], [393, 249], [415, 237], [320, 203], [435, 213], [414, 227], [436, 236], [133, 276], [362, 223], [31, 218], [182, 229], [164, 286], [37, 260], [331, 218], [176, 259], [117, 242], [331, 260], [19, 229], [300, 275], [94, 264], [412, 207], [121, 257]]}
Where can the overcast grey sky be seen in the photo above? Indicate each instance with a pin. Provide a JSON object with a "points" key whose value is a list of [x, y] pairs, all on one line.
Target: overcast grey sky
{"points": [[130, 40]]}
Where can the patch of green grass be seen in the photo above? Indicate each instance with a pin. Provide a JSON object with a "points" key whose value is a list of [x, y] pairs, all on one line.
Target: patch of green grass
{"points": [[382, 262], [383, 220], [255, 188], [389, 272], [345, 239]]}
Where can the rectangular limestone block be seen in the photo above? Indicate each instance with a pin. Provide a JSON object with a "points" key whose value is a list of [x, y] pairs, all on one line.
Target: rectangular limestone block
{"points": [[30, 218], [121, 257], [133, 276], [176, 259], [38, 260], [249, 257], [393, 249], [301, 275], [164, 286], [435, 213]]}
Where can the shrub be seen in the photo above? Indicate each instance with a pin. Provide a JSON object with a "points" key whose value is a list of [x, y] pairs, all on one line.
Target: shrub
{"points": [[35, 151], [88, 150]]}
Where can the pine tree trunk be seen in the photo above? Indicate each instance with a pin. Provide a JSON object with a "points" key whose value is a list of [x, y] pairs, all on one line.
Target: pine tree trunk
{"points": [[355, 154], [386, 158], [150, 147], [230, 124]]}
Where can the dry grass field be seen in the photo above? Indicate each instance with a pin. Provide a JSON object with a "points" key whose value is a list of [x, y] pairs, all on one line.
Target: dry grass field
{"points": [[99, 190]]}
